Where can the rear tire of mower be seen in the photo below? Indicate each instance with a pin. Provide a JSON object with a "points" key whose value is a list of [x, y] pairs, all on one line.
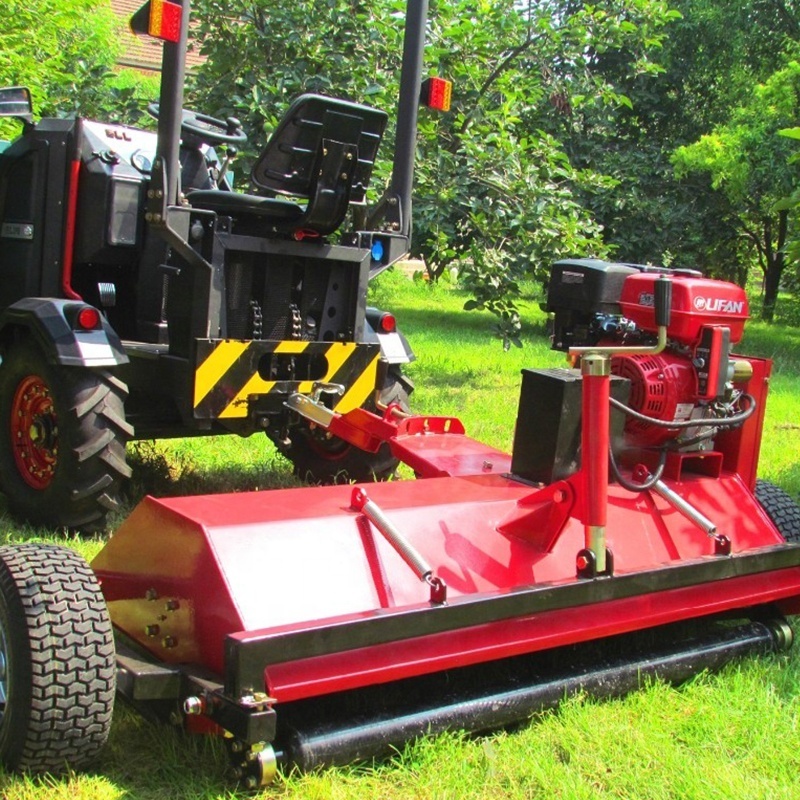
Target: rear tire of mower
{"points": [[57, 663], [321, 460], [64, 465], [781, 509]]}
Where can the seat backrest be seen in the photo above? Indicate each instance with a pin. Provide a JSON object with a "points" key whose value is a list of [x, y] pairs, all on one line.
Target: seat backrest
{"points": [[290, 162]]}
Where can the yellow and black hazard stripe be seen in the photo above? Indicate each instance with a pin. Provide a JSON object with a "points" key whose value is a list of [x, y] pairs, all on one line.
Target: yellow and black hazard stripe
{"points": [[230, 374]]}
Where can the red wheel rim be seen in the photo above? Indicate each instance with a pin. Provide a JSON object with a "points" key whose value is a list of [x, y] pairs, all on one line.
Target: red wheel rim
{"points": [[327, 447], [34, 432]]}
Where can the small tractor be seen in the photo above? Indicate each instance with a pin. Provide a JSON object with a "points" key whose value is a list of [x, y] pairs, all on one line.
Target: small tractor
{"points": [[142, 298], [626, 535]]}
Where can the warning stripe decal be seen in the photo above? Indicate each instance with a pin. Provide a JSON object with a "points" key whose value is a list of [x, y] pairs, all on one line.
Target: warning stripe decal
{"points": [[212, 370], [357, 394], [227, 377]]}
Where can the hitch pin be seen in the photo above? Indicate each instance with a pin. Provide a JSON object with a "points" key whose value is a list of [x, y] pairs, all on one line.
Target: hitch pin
{"points": [[312, 408], [361, 502]]}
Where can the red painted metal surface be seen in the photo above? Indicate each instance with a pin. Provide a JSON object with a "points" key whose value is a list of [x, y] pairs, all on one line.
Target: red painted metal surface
{"points": [[594, 440], [182, 574], [310, 598], [396, 660], [696, 302]]}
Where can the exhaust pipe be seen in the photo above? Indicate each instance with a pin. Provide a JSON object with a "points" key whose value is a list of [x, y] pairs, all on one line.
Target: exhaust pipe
{"points": [[472, 700]]}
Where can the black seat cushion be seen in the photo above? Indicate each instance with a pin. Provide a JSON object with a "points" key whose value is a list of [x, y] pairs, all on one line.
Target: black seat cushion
{"points": [[233, 203]]}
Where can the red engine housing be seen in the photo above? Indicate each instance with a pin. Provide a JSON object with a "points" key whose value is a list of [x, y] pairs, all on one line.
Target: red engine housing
{"points": [[663, 387], [696, 303]]}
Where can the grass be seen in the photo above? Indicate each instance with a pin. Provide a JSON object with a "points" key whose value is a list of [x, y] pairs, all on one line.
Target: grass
{"points": [[734, 734]]}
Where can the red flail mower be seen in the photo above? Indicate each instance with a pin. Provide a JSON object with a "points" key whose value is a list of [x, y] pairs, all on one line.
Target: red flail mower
{"points": [[625, 536]]}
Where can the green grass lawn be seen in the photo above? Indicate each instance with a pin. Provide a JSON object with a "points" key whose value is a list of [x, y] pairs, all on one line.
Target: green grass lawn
{"points": [[732, 735]]}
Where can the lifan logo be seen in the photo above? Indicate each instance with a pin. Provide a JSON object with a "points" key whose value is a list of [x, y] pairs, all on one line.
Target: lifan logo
{"points": [[719, 305]]}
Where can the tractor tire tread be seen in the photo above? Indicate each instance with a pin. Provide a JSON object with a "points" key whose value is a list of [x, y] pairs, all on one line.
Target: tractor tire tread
{"points": [[93, 434], [781, 508], [62, 660]]}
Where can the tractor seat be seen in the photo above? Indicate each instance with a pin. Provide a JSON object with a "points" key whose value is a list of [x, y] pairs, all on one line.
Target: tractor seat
{"points": [[320, 157]]}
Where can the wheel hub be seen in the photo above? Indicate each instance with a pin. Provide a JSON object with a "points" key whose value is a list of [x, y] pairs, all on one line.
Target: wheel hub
{"points": [[34, 432]]}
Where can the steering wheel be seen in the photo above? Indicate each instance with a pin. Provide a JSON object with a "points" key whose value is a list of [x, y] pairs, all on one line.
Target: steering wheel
{"points": [[208, 130]]}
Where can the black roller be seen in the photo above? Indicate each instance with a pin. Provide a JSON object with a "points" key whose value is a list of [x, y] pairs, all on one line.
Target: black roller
{"points": [[363, 724]]}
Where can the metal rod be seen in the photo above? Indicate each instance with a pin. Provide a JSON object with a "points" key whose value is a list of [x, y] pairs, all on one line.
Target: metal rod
{"points": [[688, 510], [360, 502], [170, 107], [509, 694], [595, 435]]}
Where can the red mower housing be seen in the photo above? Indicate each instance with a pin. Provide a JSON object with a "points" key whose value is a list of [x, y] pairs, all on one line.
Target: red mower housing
{"points": [[319, 625]]}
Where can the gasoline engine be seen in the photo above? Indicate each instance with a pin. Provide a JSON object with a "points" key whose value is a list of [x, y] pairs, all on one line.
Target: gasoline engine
{"points": [[675, 400]]}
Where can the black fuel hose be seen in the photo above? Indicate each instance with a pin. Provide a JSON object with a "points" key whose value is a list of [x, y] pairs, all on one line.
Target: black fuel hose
{"points": [[735, 419]]}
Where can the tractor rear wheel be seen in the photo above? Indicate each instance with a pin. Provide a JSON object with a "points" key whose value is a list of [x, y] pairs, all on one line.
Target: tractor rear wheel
{"points": [[781, 509], [57, 664], [62, 440], [320, 458]]}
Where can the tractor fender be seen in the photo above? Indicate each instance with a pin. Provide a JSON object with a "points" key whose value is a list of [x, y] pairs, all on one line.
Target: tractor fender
{"points": [[395, 348], [52, 323]]}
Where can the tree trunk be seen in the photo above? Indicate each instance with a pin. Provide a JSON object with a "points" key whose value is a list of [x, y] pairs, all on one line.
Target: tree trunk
{"points": [[774, 270]]}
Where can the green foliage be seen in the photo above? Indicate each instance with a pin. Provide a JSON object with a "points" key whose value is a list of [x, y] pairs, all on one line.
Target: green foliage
{"points": [[59, 49], [490, 177], [65, 52], [713, 55], [749, 162]]}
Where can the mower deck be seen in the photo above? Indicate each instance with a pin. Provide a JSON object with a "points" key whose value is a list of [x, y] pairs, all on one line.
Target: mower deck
{"points": [[183, 575]]}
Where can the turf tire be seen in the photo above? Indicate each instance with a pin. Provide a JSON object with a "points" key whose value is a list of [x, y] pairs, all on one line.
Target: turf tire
{"points": [[57, 660], [781, 509]]}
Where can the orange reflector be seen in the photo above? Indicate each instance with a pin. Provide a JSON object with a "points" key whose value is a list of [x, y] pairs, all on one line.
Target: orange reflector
{"points": [[165, 20], [436, 93]]}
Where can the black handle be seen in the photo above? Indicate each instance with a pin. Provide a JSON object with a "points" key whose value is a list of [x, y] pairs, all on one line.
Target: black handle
{"points": [[663, 301]]}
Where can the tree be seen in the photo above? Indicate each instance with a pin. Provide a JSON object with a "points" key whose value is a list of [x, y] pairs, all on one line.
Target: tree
{"points": [[495, 192], [65, 52], [712, 56], [58, 49], [748, 162]]}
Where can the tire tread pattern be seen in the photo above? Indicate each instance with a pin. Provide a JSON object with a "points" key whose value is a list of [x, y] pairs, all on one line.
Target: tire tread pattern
{"points": [[781, 508], [62, 664]]}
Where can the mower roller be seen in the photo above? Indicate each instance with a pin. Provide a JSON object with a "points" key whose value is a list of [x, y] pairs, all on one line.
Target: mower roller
{"points": [[626, 535]]}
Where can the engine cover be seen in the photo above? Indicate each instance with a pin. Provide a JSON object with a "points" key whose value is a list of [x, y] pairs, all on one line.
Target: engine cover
{"points": [[696, 303], [663, 387]]}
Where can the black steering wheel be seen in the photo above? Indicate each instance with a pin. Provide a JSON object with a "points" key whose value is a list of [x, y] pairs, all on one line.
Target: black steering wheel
{"points": [[208, 130]]}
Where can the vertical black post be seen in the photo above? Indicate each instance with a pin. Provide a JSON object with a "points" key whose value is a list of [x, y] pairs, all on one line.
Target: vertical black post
{"points": [[407, 109], [164, 188], [170, 107]]}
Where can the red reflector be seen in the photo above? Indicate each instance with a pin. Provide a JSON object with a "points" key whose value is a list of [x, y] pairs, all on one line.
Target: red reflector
{"points": [[88, 318], [439, 93], [165, 20], [388, 323]]}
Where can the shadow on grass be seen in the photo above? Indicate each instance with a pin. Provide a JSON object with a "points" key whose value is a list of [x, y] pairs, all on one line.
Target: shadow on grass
{"points": [[162, 473]]}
